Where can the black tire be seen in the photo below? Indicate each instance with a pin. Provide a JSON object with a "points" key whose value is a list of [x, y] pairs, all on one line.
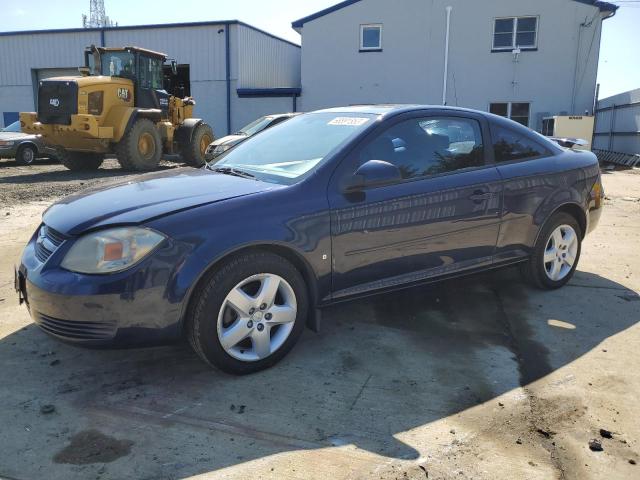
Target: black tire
{"points": [[201, 322], [26, 155], [141, 147], [534, 271], [193, 153], [80, 161]]}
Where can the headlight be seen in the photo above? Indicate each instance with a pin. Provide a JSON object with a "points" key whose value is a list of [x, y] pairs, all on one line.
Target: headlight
{"points": [[112, 250], [6, 143]]}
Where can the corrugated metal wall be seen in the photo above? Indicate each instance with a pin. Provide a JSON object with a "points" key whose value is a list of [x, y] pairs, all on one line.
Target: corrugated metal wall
{"points": [[257, 60], [203, 48], [618, 123], [20, 54], [266, 62]]}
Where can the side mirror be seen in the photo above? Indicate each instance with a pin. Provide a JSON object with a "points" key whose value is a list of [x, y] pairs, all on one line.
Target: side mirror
{"points": [[174, 67], [374, 173]]}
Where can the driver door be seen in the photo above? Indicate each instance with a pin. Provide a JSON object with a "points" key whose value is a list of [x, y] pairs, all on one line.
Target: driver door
{"points": [[443, 216]]}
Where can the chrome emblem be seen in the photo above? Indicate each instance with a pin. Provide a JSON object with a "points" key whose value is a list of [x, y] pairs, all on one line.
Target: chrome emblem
{"points": [[54, 102]]}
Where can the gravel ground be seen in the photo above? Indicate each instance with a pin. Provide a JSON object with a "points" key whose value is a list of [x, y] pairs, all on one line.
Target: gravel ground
{"points": [[477, 378], [50, 180]]}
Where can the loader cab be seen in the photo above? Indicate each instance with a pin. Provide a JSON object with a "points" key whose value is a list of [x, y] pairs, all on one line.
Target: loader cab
{"points": [[143, 67]]}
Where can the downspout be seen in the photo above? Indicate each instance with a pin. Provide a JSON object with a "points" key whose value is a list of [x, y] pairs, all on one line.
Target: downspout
{"points": [[227, 40], [446, 57], [102, 42]]}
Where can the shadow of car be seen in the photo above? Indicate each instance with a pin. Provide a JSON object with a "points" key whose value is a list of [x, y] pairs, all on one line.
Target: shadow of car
{"points": [[24, 147], [381, 367]]}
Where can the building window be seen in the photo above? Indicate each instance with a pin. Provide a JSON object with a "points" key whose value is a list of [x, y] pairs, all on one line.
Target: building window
{"points": [[370, 38], [516, 111], [515, 32]]}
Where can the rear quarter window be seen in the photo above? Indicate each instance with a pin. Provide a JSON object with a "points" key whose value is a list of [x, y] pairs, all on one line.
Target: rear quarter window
{"points": [[510, 145]]}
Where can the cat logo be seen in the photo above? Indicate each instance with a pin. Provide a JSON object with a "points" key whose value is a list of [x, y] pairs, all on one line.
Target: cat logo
{"points": [[124, 94]]}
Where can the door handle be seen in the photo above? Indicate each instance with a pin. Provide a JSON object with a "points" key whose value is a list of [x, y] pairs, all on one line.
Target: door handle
{"points": [[479, 196]]}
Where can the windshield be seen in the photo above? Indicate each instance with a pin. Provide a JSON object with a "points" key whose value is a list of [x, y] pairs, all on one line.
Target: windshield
{"points": [[285, 153], [14, 127], [255, 126], [118, 64]]}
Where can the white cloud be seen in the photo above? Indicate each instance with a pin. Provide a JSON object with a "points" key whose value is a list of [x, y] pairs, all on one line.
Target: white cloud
{"points": [[19, 12]]}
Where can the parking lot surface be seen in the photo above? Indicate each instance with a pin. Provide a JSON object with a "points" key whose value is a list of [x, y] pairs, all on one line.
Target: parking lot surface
{"points": [[481, 377]]}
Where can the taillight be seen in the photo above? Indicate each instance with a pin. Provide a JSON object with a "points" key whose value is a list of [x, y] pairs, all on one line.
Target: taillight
{"points": [[597, 192], [95, 103]]}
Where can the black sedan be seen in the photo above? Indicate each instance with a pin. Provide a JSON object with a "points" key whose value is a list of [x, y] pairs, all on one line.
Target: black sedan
{"points": [[24, 147], [241, 255]]}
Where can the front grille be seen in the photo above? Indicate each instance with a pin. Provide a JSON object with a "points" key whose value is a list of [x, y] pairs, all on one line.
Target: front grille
{"points": [[57, 101], [76, 330], [48, 242]]}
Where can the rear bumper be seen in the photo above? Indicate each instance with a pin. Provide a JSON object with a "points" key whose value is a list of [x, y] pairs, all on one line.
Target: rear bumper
{"points": [[83, 132], [593, 218]]}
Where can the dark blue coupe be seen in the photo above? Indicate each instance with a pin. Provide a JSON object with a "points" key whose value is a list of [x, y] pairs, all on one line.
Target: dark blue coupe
{"points": [[241, 255]]}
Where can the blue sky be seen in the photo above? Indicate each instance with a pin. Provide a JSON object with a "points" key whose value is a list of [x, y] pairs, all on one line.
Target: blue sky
{"points": [[619, 65]]}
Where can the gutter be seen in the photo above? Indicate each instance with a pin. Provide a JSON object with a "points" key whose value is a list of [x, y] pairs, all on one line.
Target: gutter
{"points": [[227, 41]]}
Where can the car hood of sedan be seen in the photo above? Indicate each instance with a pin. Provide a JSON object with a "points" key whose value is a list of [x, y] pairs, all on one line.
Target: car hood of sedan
{"points": [[148, 196], [14, 136]]}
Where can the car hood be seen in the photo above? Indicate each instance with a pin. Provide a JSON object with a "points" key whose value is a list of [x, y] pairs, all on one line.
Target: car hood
{"points": [[148, 196], [9, 136], [230, 140]]}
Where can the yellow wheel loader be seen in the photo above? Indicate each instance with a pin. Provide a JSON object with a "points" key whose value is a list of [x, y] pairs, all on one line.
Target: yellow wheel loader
{"points": [[117, 105]]}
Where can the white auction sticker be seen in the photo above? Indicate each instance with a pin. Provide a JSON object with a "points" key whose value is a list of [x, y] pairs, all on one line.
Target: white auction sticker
{"points": [[349, 121]]}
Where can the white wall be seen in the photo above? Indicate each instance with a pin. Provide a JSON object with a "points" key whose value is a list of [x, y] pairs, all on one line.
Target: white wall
{"points": [[410, 68]]}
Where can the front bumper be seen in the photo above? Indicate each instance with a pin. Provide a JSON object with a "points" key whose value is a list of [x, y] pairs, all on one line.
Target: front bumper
{"points": [[9, 151], [130, 308]]}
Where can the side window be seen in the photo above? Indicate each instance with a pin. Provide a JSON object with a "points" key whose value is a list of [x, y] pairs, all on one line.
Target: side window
{"points": [[509, 145], [428, 146]]}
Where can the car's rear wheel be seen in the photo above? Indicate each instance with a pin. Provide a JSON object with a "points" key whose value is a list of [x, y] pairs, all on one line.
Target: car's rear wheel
{"points": [[248, 313], [556, 253], [26, 155]]}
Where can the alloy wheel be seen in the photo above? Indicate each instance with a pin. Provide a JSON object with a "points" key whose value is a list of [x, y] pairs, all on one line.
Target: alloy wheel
{"points": [[256, 317], [561, 252]]}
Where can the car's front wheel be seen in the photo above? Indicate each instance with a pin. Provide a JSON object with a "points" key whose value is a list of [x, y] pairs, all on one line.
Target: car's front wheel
{"points": [[556, 253], [248, 313], [27, 154]]}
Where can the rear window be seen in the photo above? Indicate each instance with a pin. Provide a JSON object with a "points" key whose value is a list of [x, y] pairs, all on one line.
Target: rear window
{"points": [[509, 146]]}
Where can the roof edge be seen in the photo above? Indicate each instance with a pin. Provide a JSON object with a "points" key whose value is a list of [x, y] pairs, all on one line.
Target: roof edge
{"points": [[150, 26], [298, 24]]}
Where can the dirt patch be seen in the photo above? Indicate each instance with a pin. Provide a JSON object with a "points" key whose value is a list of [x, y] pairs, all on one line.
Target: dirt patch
{"points": [[91, 446], [49, 180]]}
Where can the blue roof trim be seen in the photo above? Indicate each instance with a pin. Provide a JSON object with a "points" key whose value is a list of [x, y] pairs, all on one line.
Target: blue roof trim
{"points": [[151, 26], [300, 23], [269, 92], [603, 6]]}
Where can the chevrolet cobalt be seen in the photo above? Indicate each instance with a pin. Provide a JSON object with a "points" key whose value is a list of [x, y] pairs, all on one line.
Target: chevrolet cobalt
{"points": [[241, 255]]}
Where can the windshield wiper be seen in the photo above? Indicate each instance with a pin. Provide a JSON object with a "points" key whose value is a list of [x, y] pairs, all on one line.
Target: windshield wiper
{"points": [[231, 171]]}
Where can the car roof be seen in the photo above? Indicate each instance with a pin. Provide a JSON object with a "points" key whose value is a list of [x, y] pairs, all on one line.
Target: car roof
{"points": [[392, 109]]}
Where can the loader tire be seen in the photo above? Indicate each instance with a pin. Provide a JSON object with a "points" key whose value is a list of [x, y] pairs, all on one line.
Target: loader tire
{"points": [[193, 153], [80, 161], [141, 147]]}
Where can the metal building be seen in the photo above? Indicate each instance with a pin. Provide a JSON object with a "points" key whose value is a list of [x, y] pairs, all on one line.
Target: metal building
{"points": [[618, 123], [235, 72]]}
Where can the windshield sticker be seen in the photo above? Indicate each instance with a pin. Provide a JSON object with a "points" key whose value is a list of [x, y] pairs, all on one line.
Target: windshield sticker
{"points": [[349, 121]]}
